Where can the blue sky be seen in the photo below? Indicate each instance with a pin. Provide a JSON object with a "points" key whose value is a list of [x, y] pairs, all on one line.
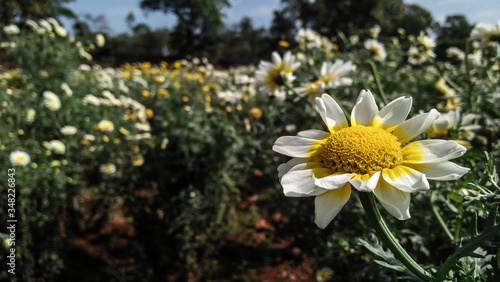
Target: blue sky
{"points": [[261, 11]]}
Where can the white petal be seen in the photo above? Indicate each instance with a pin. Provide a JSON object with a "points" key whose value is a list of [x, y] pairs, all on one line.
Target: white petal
{"points": [[405, 178], [393, 114], [294, 146], [276, 58], [395, 201], [365, 183], [333, 181], [313, 134], [432, 151], [365, 109], [441, 171], [331, 113], [415, 126], [285, 167], [299, 182], [329, 204]]}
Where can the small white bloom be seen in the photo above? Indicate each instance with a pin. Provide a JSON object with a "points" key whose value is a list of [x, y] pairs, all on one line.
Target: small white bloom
{"points": [[19, 158], [11, 29], [100, 40], [30, 115], [68, 130], [107, 168], [377, 49], [57, 147], [105, 125], [65, 87], [51, 100]]}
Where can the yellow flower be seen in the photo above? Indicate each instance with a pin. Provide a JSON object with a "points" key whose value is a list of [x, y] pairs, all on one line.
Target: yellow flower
{"points": [[123, 131], [134, 149], [138, 160], [372, 155], [145, 93], [105, 125], [284, 43], [164, 143], [149, 113], [159, 78], [255, 113], [163, 93]]}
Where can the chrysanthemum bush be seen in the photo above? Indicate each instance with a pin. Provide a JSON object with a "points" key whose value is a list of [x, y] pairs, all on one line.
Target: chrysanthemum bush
{"points": [[185, 152]]}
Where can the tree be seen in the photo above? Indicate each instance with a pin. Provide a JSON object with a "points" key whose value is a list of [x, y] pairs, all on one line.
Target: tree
{"points": [[454, 33], [198, 21], [32, 9], [416, 19], [331, 17]]}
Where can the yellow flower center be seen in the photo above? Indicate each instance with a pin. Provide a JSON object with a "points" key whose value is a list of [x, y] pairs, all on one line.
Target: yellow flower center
{"points": [[360, 149], [375, 50]]}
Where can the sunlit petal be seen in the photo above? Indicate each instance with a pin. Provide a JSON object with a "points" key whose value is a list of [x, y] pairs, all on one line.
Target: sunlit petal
{"points": [[329, 204], [365, 109]]}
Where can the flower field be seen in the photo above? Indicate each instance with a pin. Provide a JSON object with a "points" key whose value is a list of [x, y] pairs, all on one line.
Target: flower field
{"points": [[181, 171]]}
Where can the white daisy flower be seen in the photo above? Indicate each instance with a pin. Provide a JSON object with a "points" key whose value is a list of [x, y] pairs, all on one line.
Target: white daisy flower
{"points": [[105, 125], [228, 96], [272, 76], [65, 87], [100, 40], [454, 52], [107, 168], [68, 130], [332, 76], [51, 100], [30, 115], [11, 29], [19, 158], [377, 49], [415, 57], [372, 155], [57, 147]]}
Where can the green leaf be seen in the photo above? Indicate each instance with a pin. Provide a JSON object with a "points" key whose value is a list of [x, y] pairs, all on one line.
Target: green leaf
{"points": [[457, 198]]}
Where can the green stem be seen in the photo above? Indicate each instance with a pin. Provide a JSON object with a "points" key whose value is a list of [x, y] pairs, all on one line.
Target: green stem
{"points": [[440, 218], [457, 224], [474, 243], [379, 85], [443, 74], [289, 87], [378, 223]]}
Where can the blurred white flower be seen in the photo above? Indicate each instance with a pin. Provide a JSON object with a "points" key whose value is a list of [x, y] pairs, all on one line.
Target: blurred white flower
{"points": [[19, 158], [272, 76], [11, 29], [30, 115], [57, 147], [68, 130], [100, 40], [105, 125], [454, 52], [377, 49], [332, 75], [65, 87], [107, 168], [51, 100], [229, 96]]}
